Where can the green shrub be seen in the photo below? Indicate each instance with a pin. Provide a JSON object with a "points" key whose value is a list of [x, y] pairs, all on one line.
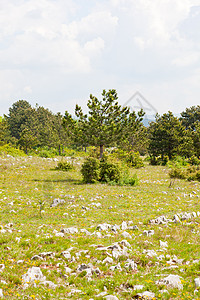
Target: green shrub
{"points": [[90, 170], [198, 175], [64, 166], [110, 171], [134, 160], [94, 152], [130, 180], [193, 160], [178, 173], [117, 153], [9, 150], [158, 161]]}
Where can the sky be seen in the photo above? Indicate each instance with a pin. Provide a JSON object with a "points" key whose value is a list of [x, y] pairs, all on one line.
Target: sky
{"points": [[58, 52]]}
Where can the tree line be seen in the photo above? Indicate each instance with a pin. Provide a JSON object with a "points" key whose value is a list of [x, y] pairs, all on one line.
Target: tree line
{"points": [[106, 124]]}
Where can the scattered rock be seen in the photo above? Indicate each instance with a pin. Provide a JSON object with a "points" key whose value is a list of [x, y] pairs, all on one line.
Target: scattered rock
{"points": [[57, 202], [197, 282], [33, 274], [145, 295], [110, 297], [138, 287], [171, 281], [70, 230], [66, 254], [131, 265], [103, 227], [108, 260], [163, 244], [126, 235], [2, 267]]}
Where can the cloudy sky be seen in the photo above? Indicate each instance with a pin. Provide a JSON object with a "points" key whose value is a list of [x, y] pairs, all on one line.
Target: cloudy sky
{"points": [[58, 52]]}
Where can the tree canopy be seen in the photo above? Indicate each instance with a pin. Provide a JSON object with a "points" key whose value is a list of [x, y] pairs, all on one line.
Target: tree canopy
{"points": [[167, 136], [106, 124]]}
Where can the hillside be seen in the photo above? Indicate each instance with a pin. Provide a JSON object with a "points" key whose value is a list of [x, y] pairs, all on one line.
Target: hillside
{"points": [[62, 239]]}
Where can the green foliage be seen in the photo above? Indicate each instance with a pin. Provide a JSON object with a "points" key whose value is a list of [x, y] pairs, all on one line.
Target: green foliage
{"points": [[9, 150], [110, 171], [167, 136], [64, 166], [90, 170], [30, 127], [178, 162], [106, 124], [193, 160], [127, 180], [177, 173], [93, 152], [47, 152], [27, 140], [134, 160], [190, 173], [190, 117], [158, 160], [117, 153]]}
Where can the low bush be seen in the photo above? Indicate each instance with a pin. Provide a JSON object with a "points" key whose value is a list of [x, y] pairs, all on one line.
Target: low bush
{"points": [[178, 173], [132, 181], [9, 150], [158, 161], [64, 166], [190, 173], [134, 160], [47, 153], [109, 171], [90, 170], [194, 161]]}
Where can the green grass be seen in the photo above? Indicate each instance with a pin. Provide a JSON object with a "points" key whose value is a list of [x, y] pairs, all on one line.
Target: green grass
{"points": [[25, 182]]}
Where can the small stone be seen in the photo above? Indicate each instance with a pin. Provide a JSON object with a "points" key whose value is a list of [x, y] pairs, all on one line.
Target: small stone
{"points": [[101, 294], [117, 267], [197, 282], [68, 270], [110, 297], [171, 281], [131, 265], [33, 274], [176, 219], [59, 234], [146, 295], [107, 260], [2, 267], [49, 284], [163, 244], [70, 230], [66, 254], [57, 202], [124, 225], [138, 287], [126, 235]]}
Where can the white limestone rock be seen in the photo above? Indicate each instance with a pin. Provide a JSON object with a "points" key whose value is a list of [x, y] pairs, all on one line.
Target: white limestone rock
{"points": [[33, 274], [171, 281], [197, 282]]}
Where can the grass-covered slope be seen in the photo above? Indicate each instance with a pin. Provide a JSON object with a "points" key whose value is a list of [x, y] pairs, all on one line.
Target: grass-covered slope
{"points": [[79, 258]]}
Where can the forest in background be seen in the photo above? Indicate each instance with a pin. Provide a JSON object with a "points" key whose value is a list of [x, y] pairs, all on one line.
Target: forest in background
{"points": [[107, 124]]}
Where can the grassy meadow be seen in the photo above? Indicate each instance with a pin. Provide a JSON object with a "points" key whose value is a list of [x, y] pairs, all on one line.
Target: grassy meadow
{"points": [[30, 227]]}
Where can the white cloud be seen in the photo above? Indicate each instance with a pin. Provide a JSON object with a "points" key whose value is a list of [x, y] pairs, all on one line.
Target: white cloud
{"points": [[71, 48], [27, 89], [95, 46], [186, 59]]}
